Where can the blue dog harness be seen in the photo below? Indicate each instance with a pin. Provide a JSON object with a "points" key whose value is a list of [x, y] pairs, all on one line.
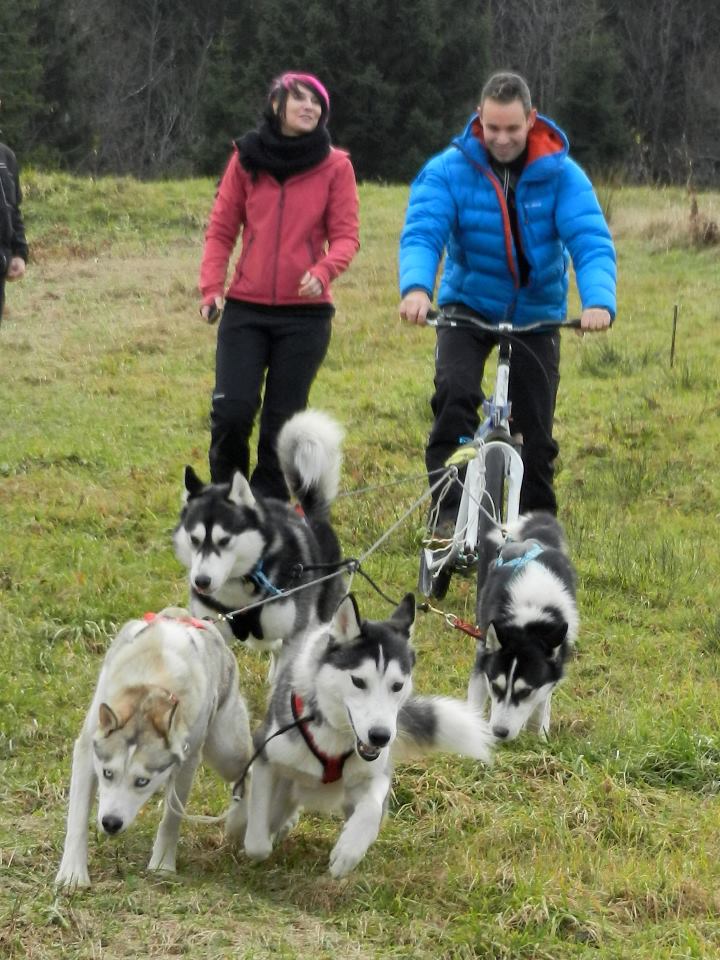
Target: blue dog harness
{"points": [[521, 561], [257, 576]]}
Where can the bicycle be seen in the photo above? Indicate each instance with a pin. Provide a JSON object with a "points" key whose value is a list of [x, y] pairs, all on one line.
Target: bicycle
{"points": [[494, 468]]}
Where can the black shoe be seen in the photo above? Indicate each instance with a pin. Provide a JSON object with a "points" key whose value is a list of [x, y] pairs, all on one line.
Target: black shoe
{"points": [[441, 534]]}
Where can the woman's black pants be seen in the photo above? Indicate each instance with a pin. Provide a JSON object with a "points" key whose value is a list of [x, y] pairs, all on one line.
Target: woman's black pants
{"points": [[286, 351]]}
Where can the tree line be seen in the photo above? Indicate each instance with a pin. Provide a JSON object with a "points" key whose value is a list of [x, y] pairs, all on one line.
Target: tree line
{"points": [[161, 87]]}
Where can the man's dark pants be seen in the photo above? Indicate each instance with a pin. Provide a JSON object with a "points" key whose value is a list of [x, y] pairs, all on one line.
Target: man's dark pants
{"points": [[534, 378]]}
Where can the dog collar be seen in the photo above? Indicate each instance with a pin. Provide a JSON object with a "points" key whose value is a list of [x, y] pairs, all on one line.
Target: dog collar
{"points": [[519, 562], [190, 621], [332, 766]]}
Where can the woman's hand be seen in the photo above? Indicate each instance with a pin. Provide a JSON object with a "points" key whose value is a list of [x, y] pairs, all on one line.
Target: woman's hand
{"points": [[211, 311], [310, 286]]}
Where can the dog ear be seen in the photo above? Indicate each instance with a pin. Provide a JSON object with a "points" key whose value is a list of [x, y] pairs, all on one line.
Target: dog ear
{"points": [[550, 635], [240, 492], [346, 622], [107, 720], [404, 614], [193, 484], [492, 641], [161, 709]]}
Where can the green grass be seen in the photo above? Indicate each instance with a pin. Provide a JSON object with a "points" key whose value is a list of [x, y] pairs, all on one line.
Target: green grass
{"points": [[601, 843]]}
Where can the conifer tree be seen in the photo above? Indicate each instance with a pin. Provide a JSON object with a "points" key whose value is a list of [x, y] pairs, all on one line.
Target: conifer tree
{"points": [[589, 107], [20, 74]]}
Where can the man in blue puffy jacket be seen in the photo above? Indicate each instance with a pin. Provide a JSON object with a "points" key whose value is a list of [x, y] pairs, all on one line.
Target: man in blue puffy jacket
{"points": [[509, 208]]}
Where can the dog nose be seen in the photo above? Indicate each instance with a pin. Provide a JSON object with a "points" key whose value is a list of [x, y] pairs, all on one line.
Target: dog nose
{"points": [[202, 582], [500, 732], [379, 736], [111, 824]]}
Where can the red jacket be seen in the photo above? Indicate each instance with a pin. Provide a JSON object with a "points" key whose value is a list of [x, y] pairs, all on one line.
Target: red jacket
{"points": [[308, 223]]}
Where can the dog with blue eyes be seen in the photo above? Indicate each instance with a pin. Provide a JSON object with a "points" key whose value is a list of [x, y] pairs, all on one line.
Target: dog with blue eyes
{"points": [[167, 694]]}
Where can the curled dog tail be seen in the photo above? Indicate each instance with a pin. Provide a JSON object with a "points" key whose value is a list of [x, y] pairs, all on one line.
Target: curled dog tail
{"points": [[442, 724], [309, 450]]}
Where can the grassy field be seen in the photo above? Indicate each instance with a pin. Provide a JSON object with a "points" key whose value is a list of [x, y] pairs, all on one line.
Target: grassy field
{"points": [[601, 843]]}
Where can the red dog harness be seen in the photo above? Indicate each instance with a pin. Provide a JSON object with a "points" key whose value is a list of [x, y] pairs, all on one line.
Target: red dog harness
{"points": [[332, 766], [190, 621]]}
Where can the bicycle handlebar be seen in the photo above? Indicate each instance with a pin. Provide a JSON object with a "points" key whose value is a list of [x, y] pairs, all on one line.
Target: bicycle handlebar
{"points": [[438, 318]]}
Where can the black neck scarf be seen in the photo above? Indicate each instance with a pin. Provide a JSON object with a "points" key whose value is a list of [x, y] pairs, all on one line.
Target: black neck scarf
{"points": [[268, 149]]}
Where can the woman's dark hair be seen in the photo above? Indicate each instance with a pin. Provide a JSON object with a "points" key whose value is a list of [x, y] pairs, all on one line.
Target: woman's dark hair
{"points": [[280, 90]]}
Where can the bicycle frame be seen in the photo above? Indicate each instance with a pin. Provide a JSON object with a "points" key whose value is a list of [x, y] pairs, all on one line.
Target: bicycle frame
{"points": [[497, 409], [480, 509], [496, 423]]}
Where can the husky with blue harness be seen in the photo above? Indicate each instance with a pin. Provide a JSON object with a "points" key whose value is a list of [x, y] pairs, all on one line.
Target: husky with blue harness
{"points": [[261, 567], [527, 614]]}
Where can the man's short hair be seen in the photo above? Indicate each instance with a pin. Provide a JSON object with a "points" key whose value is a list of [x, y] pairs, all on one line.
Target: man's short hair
{"points": [[504, 87]]}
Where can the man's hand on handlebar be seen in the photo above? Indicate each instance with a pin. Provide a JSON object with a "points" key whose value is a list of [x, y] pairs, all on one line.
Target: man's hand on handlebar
{"points": [[595, 318], [414, 307]]}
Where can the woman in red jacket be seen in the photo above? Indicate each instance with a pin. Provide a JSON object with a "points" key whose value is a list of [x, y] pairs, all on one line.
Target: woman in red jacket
{"points": [[294, 198]]}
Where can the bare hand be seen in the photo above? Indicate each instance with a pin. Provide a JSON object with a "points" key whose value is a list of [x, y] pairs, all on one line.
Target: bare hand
{"points": [[210, 311], [16, 270], [414, 307], [310, 286], [595, 318]]}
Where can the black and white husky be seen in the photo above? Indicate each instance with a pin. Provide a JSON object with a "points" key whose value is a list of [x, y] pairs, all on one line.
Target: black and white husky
{"points": [[241, 549], [350, 688], [528, 615]]}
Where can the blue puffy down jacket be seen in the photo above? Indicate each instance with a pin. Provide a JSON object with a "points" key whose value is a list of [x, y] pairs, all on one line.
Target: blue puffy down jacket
{"points": [[457, 205]]}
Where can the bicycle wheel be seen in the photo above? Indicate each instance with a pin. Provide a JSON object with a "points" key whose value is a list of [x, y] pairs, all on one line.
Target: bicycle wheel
{"points": [[493, 501]]}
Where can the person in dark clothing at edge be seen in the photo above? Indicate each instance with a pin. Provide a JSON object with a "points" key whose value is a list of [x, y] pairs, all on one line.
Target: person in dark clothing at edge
{"points": [[13, 246], [294, 198], [510, 208]]}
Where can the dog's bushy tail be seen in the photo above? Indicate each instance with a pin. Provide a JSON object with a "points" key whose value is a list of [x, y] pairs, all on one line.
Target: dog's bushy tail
{"points": [[310, 454], [442, 724]]}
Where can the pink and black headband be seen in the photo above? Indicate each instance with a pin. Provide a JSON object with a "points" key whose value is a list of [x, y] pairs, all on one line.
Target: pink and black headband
{"points": [[288, 80]]}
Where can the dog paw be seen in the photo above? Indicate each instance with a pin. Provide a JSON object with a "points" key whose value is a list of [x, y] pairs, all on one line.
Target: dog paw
{"points": [[72, 877], [289, 825], [236, 822], [541, 732], [161, 864], [343, 859], [258, 850]]}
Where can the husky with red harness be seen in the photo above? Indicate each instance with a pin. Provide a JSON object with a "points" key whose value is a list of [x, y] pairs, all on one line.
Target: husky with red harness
{"points": [[167, 694], [341, 713]]}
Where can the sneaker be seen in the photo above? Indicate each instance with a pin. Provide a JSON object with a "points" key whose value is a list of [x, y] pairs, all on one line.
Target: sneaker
{"points": [[441, 535]]}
